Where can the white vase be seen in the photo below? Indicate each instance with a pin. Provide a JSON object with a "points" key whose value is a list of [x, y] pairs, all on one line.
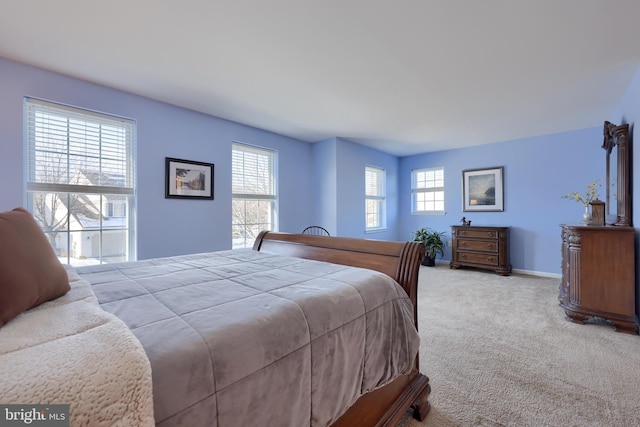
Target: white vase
{"points": [[586, 216]]}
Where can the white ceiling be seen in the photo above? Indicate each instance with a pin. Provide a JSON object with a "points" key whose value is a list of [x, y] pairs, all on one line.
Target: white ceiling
{"points": [[403, 76]]}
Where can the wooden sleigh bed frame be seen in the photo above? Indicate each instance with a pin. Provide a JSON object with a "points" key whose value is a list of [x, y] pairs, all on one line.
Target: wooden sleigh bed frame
{"points": [[399, 260]]}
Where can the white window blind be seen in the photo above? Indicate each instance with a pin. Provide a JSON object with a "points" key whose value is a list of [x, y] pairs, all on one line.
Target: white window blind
{"points": [[375, 198], [427, 190], [79, 165], [254, 192]]}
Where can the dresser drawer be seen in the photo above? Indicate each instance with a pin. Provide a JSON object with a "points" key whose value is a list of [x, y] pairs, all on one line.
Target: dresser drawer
{"points": [[480, 247], [478, 258], [477, 245], [478, 234]]}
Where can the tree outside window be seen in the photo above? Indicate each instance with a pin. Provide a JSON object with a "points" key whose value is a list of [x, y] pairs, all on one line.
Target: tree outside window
{"points": [[254, 187], [80, 186]]}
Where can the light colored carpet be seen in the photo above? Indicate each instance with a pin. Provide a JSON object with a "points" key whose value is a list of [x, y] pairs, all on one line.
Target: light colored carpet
{"points": [[499, 352]]}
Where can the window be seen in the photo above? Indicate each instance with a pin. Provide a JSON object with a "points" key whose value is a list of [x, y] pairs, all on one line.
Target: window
{"points": [[80, 184], [255, 193], [375, 198], [427, 188]]}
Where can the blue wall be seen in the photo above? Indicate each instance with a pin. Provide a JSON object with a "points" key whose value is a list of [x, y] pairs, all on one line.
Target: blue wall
{"points": [[352, 159], [338, 180], [320, 183], [537, 172], [325, 191], [165, 226]]}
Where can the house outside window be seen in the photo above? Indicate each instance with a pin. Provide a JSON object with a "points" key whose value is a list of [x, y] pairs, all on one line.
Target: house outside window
{"points": [[80, 181], [375, 199], [116, 208], [254, 193], [427, 191]]}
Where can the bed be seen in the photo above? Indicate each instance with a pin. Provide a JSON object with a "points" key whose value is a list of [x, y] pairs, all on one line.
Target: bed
{"points": [[140, 343]]}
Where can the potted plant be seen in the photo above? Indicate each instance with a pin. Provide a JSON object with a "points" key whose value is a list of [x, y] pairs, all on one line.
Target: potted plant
{"points": [[434, 243]]}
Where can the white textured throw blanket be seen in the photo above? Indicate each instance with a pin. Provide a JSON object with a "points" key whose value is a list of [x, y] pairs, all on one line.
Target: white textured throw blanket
{"points": [[70, 351]]}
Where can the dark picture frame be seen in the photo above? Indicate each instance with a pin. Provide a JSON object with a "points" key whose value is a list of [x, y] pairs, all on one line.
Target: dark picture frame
{"points": [[483, 190], [188, 179]]}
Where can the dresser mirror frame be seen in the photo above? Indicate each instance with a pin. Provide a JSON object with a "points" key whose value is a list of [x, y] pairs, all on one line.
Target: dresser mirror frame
{"points": [[616, 144]]}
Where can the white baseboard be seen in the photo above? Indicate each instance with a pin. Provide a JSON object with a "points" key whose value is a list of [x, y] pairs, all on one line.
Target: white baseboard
{"points": [[520, 271], [537, 273]]}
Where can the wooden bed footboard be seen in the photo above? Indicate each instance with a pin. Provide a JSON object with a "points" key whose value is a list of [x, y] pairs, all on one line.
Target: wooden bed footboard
{"points": [[399, 260]]}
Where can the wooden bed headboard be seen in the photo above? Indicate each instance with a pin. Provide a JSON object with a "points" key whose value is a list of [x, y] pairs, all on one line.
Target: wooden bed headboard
{"points": [[399, 260]]}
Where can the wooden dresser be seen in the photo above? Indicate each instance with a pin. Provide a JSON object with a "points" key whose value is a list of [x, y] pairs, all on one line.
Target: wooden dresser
{"points": [[481, 247], [598, 275]]}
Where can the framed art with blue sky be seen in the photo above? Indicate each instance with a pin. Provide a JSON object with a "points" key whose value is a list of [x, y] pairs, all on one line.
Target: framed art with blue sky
{"points": [[482, 190]]}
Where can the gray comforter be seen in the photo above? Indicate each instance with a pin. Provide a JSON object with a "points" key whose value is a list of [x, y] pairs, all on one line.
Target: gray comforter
{"points": [[243, 338]]}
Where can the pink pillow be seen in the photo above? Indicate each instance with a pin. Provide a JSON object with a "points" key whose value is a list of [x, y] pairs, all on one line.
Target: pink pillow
{"points": [[30, 272]]}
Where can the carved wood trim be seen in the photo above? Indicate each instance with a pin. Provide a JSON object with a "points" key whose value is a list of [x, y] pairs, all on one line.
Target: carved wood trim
{"points": [[617, 136], [598, 275], [573, 237]]}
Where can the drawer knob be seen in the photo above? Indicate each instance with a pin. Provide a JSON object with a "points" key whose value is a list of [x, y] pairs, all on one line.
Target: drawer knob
{"points": [[490, 259], [463, 243], [490, 245]]}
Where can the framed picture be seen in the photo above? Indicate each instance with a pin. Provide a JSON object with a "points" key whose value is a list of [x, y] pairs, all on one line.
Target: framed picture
{"points": [[482, 190], [188, 179]]}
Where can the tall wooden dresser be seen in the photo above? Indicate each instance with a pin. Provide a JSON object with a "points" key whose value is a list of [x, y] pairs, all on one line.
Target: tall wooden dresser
{"points": [[481, 247], [598, 275]]}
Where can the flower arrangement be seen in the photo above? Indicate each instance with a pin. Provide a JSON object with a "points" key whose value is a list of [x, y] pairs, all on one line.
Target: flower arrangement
{"points": [[590, 195]]}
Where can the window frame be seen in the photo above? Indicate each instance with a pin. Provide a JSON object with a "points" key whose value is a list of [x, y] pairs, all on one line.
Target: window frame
{"points": [[415, 190], [115, 142], [245, 197], [379, 198]]}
